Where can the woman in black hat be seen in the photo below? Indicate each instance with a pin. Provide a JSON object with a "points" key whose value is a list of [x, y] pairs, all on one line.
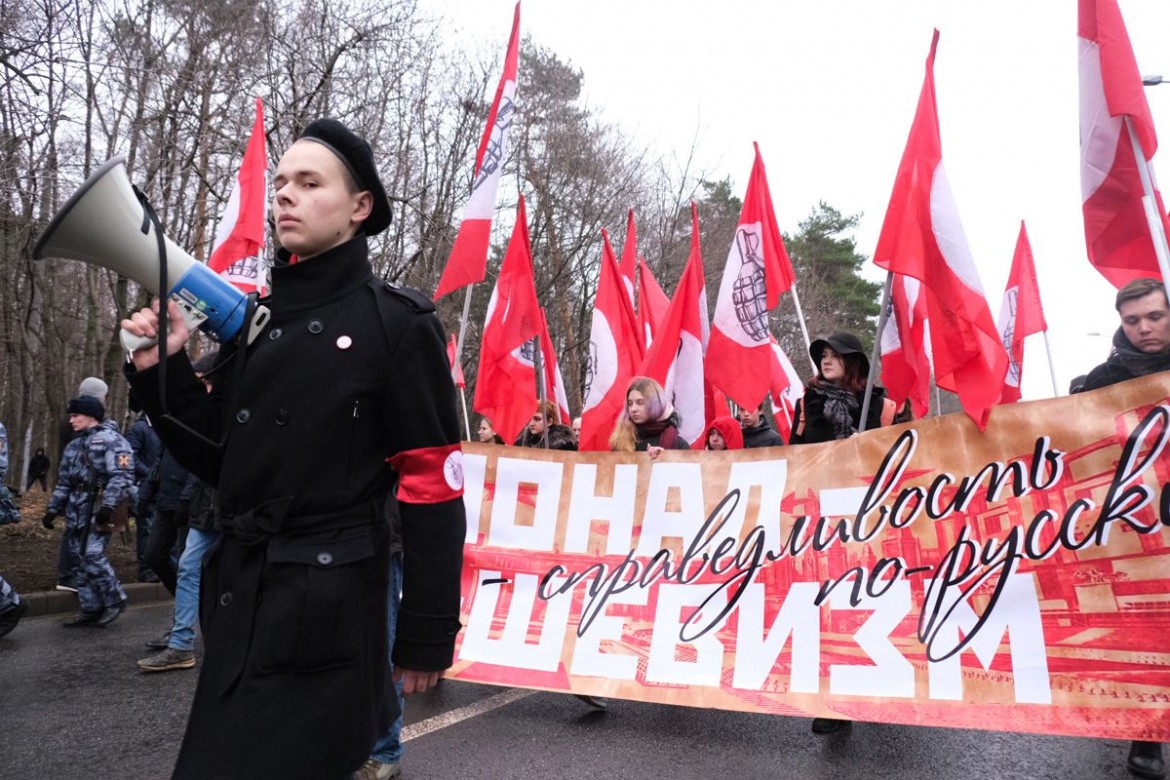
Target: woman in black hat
{"points": [[831, 410], [831, 407]]}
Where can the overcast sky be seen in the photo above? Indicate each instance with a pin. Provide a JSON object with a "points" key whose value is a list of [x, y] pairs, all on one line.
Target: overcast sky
{"points": [[828, 89]]}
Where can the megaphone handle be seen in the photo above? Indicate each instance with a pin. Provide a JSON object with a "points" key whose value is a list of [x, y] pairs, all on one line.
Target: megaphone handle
{"points": [[132, 343]]}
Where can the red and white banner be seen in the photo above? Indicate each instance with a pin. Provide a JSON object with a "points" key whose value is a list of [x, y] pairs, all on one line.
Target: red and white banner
{"points": [[922, 237], [925, 574], [505, 385], [739, 357], [675, 359], [1020, 316], [468, 261], [238, 250], [1117, 232], [615, 354], [905, 356]]}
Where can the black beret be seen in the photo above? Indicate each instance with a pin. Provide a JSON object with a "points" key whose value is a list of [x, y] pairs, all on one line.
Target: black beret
{"points": [[87, 405], [356, 155]]}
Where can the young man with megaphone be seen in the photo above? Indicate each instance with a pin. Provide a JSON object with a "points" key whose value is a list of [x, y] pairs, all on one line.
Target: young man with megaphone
{"points": [[338, 417]]}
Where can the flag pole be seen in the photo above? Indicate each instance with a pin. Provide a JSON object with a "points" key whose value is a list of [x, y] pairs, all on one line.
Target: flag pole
{"points": [[1051, 367], [459, 352], [541, 385], [877, 346], [804, 329], [1149, 203]]}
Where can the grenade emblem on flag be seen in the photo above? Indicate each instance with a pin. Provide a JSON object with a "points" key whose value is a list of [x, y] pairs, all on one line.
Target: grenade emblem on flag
{"points": [[749, 294]]}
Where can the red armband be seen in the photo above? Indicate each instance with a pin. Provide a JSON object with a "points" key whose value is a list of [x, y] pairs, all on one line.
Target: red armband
{"points": [[429, 475]]}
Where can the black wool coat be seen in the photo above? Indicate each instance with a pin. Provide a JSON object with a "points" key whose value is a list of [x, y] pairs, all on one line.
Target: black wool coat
{"points": [[348, 374]]}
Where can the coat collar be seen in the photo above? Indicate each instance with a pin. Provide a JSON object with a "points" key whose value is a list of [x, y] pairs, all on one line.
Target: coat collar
{"points": [[322, 279]]}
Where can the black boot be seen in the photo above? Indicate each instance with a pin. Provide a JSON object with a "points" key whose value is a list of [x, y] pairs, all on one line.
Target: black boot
{"points": [[828, 725], [9, 619], [1145, 760], [83, 619]]}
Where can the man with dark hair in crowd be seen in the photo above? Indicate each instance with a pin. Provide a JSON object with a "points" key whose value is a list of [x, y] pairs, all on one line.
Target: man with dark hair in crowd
{"points": [[38, 471], [344, 399], [147, 450], [757, 431], [1141, 346]]}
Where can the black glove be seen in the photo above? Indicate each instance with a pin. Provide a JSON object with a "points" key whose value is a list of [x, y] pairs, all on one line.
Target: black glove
{"points": [[47, 520], [102, 518], [182, 514]]}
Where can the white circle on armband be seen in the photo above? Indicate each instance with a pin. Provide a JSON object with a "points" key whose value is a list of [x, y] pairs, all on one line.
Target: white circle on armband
{"points": [[453, 470]]}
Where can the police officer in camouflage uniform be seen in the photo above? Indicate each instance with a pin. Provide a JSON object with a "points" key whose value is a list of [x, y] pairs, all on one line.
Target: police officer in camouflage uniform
{"points": [[12, 608], [96, 472]]}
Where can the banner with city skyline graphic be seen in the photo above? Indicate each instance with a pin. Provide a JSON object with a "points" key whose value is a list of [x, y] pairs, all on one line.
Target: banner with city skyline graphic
{"points": [[1014, 580]]}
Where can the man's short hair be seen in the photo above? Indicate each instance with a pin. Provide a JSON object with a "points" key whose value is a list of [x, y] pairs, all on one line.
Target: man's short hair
{"points": [[1139, 288]]}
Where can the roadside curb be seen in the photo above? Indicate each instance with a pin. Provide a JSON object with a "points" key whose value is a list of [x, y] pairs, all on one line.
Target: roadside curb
{"points": [[54, 601]]}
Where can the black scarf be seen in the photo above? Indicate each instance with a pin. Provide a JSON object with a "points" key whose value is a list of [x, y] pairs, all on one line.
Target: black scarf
{"points": [[841, 408], [1134, 360]]}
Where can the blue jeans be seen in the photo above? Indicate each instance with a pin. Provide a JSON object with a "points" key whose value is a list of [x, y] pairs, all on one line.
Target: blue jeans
{"points": [[388, 748], [187, 588]]}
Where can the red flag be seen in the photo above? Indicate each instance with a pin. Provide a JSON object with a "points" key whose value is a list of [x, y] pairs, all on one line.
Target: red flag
{"points": [[652, 303], [629, 264], [739, 359], [238, 251], [675, 359], [1021, 314], [468, 261], [1117, 232], [553, 381], [615, 354], [786, 390], [905, 359], [505, 386], [922, 237], [456, 369]]}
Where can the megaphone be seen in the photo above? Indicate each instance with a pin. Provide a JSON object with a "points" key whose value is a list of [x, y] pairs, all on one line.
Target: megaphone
{"points": [[106, 224]]}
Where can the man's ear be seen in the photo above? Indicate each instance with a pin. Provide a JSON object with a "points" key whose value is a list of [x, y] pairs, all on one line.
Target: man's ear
{"points": [[363, 206]]}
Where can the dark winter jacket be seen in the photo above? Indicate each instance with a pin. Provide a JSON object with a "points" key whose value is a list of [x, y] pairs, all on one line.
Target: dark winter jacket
{"points": [[762, 435], [560, 437], [810, 426], [1126, 362]]}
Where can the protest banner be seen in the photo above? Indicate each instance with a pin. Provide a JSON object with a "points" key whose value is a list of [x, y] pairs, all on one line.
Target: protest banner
{"points": [[927, 573]]}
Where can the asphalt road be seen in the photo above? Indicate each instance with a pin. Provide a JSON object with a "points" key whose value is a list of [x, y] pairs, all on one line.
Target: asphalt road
{"points": [[74, 705]]}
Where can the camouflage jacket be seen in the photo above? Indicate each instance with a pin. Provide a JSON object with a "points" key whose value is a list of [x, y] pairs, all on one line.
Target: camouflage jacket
{"points": [[99, 458]]}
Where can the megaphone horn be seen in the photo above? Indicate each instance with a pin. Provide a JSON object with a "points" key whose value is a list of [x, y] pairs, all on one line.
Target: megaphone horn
{"points": [[103, 223]]}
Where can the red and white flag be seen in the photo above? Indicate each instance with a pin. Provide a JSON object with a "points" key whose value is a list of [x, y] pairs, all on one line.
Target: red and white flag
{"points": [[922, 237], [456, 368], [1117, 232], [786, 390], [675, 359], [238, 251], [615, 354], [468, 261], [554, 383], [905, 356], [739, 358], [652, 303], [1020, 316], [505, 386], [629, 263]]}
